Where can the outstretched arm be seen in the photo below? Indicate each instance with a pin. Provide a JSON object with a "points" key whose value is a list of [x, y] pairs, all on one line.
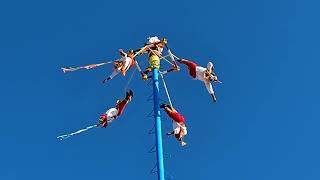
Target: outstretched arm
{"points": [[140, 51], [122, 53], [170, 133], [114, 73], [148, 47]]}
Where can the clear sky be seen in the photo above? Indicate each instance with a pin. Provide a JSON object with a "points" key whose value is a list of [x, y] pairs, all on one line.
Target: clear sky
{"points": [[263, 127]]}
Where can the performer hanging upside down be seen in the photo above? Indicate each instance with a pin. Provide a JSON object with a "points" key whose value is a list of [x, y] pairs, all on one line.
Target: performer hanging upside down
{"points": [[123, 64], [179, 127], [106, 118], [205, 75]]}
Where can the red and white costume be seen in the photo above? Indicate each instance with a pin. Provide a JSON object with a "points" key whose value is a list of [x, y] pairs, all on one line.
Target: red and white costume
{"points": [[110, 115], [178, 122], [127, 61], [113, 113], [198, 72], [155, 40]]}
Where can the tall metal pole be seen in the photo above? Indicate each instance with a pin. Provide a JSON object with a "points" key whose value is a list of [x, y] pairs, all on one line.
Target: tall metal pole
{"points": [[160, 164]]}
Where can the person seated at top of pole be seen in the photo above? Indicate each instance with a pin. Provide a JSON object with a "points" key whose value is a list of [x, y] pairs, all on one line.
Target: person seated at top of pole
{"points": [[154, 47]]}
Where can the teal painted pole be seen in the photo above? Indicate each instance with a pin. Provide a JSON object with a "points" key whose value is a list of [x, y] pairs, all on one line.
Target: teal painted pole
{"points": [[160, 164]]}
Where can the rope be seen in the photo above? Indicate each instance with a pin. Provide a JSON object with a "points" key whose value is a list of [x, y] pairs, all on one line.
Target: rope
{"points": [[129, 81], [175, 56], [168, 61], [171, 55], [136, 62], [161, 57], [165, 87], [139, 51]]}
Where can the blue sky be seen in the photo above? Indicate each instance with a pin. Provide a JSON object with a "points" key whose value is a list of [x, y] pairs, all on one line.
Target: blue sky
{"points": [[264, 125]]}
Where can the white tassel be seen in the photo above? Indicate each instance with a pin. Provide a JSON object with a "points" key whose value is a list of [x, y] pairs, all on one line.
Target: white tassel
{"points": [[66, 136]]}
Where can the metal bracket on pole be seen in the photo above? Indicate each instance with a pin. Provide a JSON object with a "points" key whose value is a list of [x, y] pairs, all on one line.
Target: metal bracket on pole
{"points": [[152, 131], [153, 170], [151, 114], [150, 98], [152, 150]]}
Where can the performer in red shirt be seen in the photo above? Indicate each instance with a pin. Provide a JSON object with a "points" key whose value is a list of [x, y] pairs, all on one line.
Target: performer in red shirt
{"points": [[179, 127], [113, 113]]}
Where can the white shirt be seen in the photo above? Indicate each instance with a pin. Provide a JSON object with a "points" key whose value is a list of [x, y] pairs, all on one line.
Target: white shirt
{"points": [[200, 76], [153, 39], [111, 114], [177, 126], [126, 63]]}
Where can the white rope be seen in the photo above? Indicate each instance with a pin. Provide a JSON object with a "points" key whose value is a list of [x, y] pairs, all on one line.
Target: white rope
{"points": [[168, 61], [136, 62], [164, 57], [164, 72], [165, 87], [175, 56], [129, 81], [171, 55], [139, 52], [161, 57]]}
